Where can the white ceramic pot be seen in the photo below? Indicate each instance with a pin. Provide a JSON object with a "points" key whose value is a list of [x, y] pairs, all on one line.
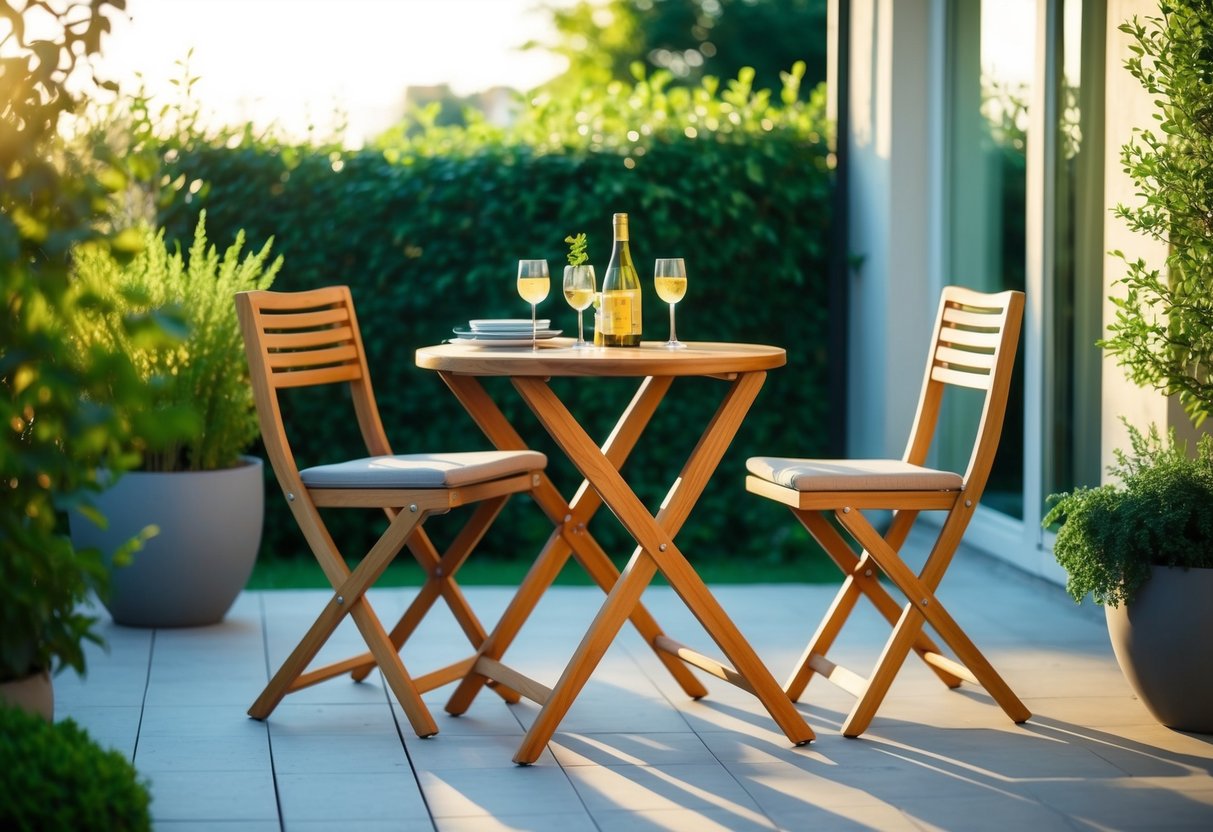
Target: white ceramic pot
{"points": [[191, 572]]}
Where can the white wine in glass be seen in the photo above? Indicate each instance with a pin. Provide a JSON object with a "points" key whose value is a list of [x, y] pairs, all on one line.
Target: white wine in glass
{"points": [[670, 280], [579, 292], [533, 286]]}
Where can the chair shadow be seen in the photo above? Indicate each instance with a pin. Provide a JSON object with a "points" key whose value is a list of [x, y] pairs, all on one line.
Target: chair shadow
{"points": [[1047, 773]]}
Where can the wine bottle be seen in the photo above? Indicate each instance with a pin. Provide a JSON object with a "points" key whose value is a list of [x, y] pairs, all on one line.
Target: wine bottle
{"points": [[621, 292]]}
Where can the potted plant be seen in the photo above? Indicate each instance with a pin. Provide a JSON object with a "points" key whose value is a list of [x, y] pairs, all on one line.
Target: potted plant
{"points": [[201, 501], [1143, 546], [61, 411]]}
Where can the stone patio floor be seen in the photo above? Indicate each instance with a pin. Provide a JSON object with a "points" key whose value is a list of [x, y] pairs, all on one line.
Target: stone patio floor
{"points": [[634, 753]]}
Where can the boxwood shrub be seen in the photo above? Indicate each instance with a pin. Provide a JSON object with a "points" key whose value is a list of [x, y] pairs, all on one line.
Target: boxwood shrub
{"points": [[57, 778]]}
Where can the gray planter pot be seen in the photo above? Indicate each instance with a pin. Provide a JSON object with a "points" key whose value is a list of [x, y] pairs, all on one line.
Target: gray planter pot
{"points": [[189, 574], [1164, 644]]}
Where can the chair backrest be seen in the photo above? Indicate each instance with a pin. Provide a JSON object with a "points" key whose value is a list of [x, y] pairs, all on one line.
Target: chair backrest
{"points": [[299, 339], [973, 345]]}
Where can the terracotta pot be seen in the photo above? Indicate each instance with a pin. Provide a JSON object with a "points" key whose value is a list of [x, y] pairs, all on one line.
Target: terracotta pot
{"points": [[1164, 644], [191, 572], [33, 694]]}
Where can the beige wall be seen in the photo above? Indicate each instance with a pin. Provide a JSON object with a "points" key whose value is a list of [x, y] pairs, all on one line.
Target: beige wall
{"points": [[1127, 106]]}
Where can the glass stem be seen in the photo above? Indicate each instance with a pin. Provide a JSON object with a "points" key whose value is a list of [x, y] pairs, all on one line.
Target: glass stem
{"points": [[534, 330], [580, 331], [673, 336]]}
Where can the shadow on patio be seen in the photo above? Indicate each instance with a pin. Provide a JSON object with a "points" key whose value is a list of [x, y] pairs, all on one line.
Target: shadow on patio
{"points": [[634, 753]]}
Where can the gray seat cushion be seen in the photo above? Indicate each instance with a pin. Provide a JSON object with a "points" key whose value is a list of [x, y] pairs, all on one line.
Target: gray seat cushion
{"points": [[851, 474], [423, 470]]}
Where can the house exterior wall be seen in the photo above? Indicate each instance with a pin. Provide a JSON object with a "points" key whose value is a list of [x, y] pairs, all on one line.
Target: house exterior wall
{"points": [[1128, 105]]}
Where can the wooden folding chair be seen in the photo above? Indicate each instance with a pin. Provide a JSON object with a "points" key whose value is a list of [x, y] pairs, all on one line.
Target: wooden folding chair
{"points": [[312, 338], [973, 345]]}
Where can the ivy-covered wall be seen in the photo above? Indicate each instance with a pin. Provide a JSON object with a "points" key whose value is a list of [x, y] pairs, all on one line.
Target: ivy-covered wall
{"points": [[427, 227]]}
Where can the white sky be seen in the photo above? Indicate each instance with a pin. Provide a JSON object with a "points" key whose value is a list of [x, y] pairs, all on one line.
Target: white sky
{"points": [[293, 62]]}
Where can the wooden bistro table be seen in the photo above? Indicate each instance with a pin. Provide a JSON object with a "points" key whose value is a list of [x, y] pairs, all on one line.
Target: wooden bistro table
{"points": [[742, 368]]}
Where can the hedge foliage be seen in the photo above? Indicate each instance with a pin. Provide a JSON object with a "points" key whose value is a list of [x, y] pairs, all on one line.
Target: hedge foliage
{"points": [[426, 226]]}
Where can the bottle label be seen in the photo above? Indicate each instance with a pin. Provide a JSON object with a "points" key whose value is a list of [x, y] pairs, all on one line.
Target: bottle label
{"points": [[621, 312]]}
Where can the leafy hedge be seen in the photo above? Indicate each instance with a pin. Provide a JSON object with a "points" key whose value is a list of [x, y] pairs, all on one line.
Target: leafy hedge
{"points": [[426, 227]]}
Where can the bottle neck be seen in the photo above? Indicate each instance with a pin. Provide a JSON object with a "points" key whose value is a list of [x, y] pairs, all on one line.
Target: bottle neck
{"points": [[621, 228]]}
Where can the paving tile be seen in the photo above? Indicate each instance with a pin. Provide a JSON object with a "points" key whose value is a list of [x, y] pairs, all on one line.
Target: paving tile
{"points": [[572, 749], [213, 796], [996, 811], [348, 797], [161, 752], [570, 822], [318, 753], [681, 820], [453, 751], [642, 788], [522, 790]]}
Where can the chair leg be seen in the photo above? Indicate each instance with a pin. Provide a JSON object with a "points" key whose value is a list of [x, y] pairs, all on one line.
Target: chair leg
{"points": [[923, 608], [349, 599], [441, 583], [861, 575]]}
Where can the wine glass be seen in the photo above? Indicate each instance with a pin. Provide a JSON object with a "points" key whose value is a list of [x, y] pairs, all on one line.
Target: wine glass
{"points": [[670, 278], [533, 285], [579, 292]]}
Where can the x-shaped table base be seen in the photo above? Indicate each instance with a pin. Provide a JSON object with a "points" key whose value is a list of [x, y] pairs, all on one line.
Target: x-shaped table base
{"points": [[655, 552]]}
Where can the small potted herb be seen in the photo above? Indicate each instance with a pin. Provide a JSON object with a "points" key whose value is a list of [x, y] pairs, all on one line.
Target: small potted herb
{"points": [[579, 285]]}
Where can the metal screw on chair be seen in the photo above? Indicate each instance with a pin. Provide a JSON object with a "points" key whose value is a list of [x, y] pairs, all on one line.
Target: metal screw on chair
{"points": [[413, 508], [846, 509], [867, 573], [568, 517], [535, 479], [438, 572], [924, 602], [661, 548], [290, 498], [968, 503], [340, 600]]}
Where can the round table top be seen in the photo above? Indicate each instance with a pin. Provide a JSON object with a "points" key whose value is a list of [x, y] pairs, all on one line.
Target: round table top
{"points": [[556, 357]]}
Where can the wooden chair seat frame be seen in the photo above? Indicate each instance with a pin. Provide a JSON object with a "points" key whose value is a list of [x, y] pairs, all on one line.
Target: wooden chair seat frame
{"points": [[312, 338], [973, 345]]}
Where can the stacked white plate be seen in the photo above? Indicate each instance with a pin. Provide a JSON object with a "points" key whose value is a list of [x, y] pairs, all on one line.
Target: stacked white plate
{"points": [[504, 332]]}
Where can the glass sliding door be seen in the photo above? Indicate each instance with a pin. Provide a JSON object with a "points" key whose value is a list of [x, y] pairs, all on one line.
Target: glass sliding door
{"points": [[1023, 209], [989, 77], [1071, 398]]}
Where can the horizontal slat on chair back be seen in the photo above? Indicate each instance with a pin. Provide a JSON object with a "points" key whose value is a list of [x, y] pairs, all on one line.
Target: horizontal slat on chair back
{"points": [[306, 346], [965, 350]]}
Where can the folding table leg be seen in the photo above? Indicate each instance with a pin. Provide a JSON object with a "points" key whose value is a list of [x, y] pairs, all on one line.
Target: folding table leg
{"points": [[656, 550], [570, 536]]}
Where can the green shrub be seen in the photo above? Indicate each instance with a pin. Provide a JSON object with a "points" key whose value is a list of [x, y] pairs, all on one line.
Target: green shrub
{"points": [[427, 226], [1163, 332], [202, 373], [57, 778], [60, 412], [1160, 513]]}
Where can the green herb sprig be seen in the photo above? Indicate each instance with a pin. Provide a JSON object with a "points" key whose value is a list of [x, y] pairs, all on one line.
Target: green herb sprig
{"points": [[577, 254]]}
